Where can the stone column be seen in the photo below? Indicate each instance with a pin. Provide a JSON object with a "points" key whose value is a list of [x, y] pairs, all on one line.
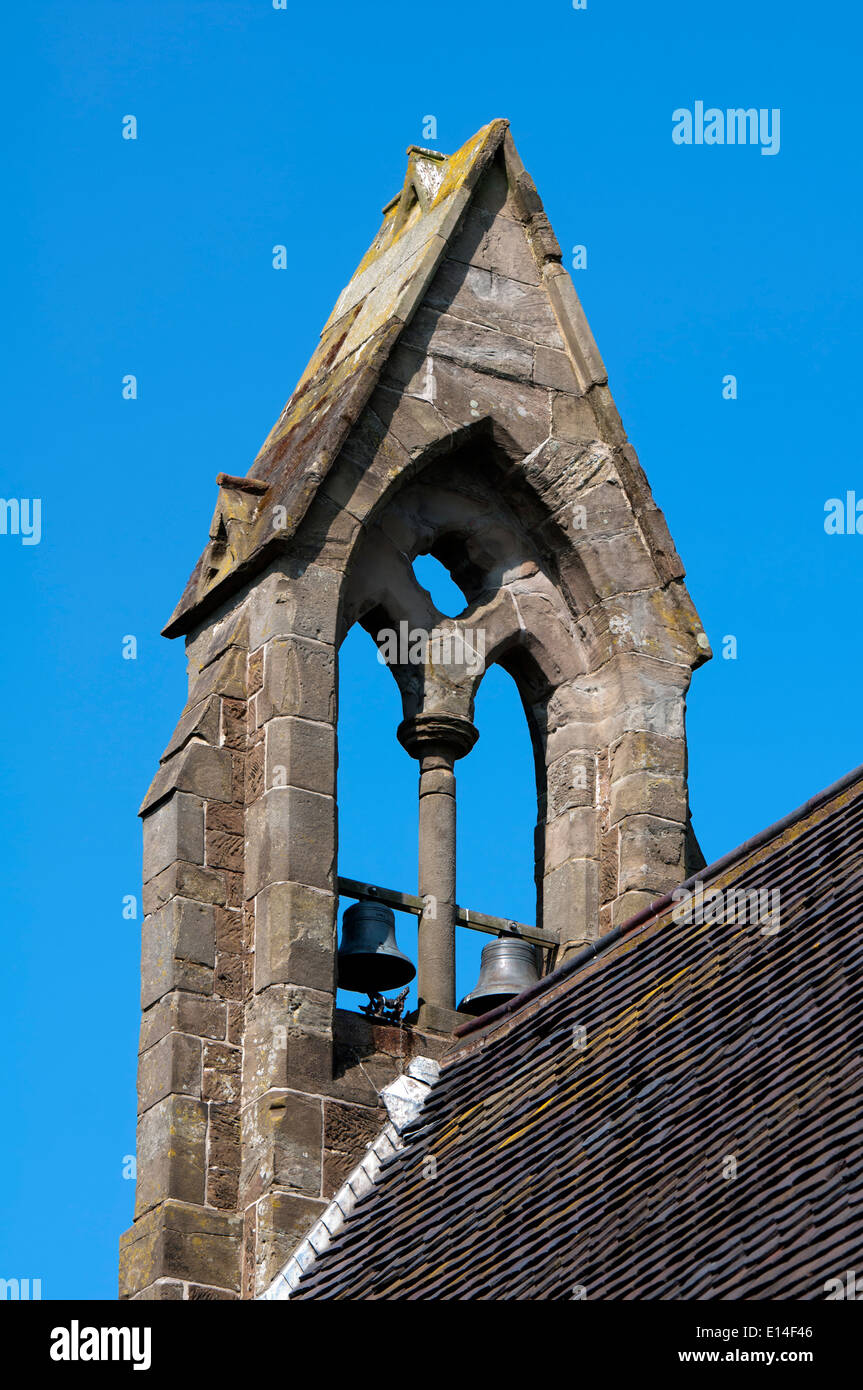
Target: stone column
{"points": [[437, 740]]}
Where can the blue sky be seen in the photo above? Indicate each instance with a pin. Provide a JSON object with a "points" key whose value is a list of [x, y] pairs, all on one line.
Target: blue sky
{"points": [[154, 257]]}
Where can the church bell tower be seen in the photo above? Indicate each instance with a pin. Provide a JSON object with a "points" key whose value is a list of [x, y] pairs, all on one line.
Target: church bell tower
{"points": [[456, 405]]}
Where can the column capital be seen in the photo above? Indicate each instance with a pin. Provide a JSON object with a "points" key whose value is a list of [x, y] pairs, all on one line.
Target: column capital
{"points": [[447, 736]]}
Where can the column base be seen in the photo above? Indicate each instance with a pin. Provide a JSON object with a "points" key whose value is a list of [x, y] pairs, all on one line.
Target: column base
{"points": [[433, 1018]]}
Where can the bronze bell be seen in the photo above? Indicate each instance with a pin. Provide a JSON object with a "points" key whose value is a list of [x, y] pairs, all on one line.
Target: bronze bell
{"points": [[370, 962], [507, 966]]}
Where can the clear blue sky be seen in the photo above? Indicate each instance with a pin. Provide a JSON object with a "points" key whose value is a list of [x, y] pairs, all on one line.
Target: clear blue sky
{"points": [[153, 257]]}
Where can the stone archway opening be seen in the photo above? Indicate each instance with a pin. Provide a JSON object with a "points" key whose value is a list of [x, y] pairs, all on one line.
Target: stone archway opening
{"points": [[433, 576], [376, 781]]}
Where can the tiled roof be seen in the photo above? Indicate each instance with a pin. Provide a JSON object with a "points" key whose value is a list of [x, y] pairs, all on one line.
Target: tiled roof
{"points": [[678, 1119]]}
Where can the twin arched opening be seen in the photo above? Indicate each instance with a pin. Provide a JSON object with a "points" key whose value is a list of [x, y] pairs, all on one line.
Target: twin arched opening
{"points": [[456, 595]]}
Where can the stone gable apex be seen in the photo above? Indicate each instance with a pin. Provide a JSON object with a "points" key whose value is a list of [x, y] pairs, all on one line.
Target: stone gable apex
{"points": [[465, 267]]}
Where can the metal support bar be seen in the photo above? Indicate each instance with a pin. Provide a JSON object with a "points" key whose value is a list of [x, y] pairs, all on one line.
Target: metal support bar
{"points": [[477, 921]]}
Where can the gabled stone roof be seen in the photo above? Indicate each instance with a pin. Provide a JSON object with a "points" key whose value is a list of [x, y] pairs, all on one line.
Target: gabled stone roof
{"points": [[256, 516], [675, 1115]]}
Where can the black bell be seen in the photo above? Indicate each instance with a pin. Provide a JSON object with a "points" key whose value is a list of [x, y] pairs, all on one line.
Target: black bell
{"points": [[370, 962], [507, 966]]}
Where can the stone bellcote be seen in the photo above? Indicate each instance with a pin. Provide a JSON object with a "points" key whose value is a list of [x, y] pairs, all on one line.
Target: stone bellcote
{"points": [[455, 405]]}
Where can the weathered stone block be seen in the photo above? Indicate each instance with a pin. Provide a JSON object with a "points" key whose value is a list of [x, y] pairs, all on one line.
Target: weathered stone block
{"points": [[233, 724], [290, 839], [223, 815], [222, 1189], [225, 676], [570, 315], [229, 930], [350, 1128], [573, 419], [224, 630], [610, 423], [643, 793], [401, 289], [329, 533], [287, 604], [410, 417], [554, 369], [643, 752], [301, 754], [651, 855], [236, 1023], [661, 546], [175, 830], [179, 1241], [510, 307], [238, 776], [570, 900], [198, 769], [520, 411], [338, 1167], [287, 1041], [229, 979], [370, 461], [198, 721], [299, 679], [222, 1087], [621, 565], [469, 345], [254, 773], [182, 1013], [571, 835], [184, 881], [571, 781], [171, 1067], [607, 511], [177, 950], [366, 1036], [629, 905], [224, 848], [234, 883], [560, 470], [434, 1017], [224, 1137], [295, 937], [495, 243], [633, 692], [609, 866], [283, 1144], [282, 1220], [221, 1057], [256, 670], [172, 1139]]}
